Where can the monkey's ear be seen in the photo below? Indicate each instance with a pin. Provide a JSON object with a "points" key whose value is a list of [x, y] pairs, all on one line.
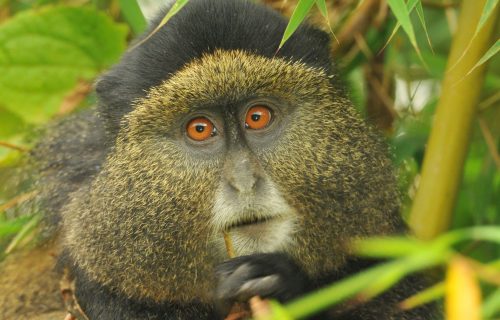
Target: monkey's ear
{"points": [[114, 99], [125, 83]]}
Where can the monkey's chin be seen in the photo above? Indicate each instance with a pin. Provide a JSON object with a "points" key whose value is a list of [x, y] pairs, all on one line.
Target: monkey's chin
{"points": [[266, 236]]}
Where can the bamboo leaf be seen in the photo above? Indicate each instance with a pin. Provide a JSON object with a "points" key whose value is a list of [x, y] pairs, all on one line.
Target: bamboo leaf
{"points": [[12, 226], [278, 312], [389, 278], [298, 15], [488, 55], [420, 13], [321, 4], [491, 305], [482, 233], [333, 294], [176, 7], [430, 294], [364, 283], [423, 259], [133, 15], [387, 247], [26, 229], [402, 13], [488, 9]]}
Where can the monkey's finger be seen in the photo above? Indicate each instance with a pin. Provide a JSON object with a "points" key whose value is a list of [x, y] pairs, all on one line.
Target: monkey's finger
{"points": [[264, 287], [229, 285]]}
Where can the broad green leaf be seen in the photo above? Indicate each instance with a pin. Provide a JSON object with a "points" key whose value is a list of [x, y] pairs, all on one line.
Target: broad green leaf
{"points": [[45, 52], [10, 124], [298, 15], [133, 15]]}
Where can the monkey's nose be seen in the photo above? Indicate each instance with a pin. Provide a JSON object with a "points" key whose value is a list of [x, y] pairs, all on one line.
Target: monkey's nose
{"points": [[244, 182], [243, 175]]}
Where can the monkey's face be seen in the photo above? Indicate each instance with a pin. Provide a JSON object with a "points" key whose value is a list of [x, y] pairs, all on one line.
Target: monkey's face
{"points": [[267, 151], [263, 149]]}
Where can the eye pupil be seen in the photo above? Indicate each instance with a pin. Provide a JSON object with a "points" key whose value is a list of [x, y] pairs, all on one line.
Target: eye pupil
{"points": [[258, 117], [200, 129]]}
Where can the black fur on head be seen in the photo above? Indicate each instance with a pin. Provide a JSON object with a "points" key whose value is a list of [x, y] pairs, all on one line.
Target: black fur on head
{"points": [[201, 27]]}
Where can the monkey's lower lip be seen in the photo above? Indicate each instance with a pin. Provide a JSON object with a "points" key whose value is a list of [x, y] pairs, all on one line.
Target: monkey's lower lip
{"points": [[249, 223]]}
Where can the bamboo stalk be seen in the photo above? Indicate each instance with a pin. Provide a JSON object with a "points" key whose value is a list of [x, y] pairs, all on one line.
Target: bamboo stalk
{"points": [[448, 143], [229, 245]]}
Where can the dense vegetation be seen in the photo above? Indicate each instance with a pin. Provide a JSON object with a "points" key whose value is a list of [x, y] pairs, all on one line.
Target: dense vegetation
{"points": [[426, 72]]}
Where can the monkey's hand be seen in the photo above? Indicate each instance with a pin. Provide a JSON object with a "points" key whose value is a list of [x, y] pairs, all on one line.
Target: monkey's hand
{"points": [[268, 275]]}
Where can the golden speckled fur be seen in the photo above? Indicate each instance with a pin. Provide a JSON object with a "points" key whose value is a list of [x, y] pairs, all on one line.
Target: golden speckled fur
{"points": [[142, 226]]}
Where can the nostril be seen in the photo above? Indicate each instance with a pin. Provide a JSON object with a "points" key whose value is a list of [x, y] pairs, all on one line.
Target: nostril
{"points": [[244, 182], [242, 172]]}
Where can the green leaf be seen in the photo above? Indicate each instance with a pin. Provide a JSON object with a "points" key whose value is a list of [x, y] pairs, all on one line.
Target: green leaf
{"points": [[12, 226], [298, 15], [424, 258], [364, 283], [10, 124], [479, 233], [278, 311], [491, 305], [334, 293], [420, 13], [489, 8], [388, 247], [488, 55], [26, 229], [321, 4], [402, 13], [44, 53], [430, 294], [176, 7], [133, 15]]}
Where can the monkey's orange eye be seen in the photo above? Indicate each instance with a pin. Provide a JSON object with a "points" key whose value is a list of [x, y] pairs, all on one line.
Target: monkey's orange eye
{"points": [[200, 129], [258, 117]]}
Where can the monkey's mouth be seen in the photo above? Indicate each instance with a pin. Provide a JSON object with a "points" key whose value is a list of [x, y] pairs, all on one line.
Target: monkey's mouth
{"points": [[250, 221]]}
